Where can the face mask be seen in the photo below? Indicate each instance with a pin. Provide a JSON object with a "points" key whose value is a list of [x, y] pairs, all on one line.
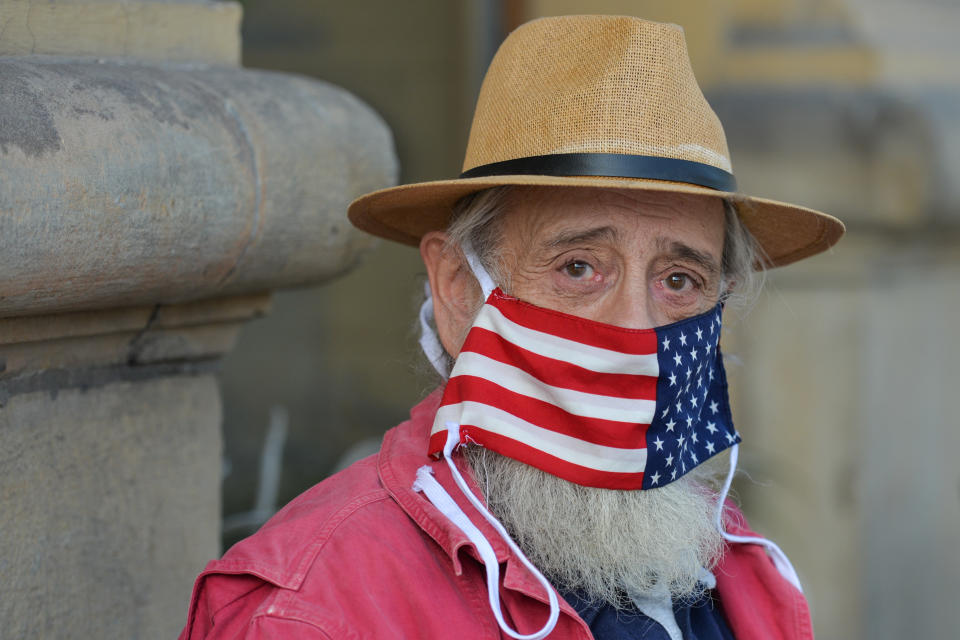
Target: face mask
{"points": [[592, 403]]}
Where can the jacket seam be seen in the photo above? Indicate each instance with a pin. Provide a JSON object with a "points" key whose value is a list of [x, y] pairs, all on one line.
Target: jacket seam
{"points": [[283, 598], [291, 616], [274, 576], [332, 524]]}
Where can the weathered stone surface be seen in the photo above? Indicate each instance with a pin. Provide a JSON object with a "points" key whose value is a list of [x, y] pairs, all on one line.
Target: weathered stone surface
{"points": [[39, 351], [845, 398], [149, 201], [915, 40], [127, 185], [110, 507], [871, 157], [188, 30]]}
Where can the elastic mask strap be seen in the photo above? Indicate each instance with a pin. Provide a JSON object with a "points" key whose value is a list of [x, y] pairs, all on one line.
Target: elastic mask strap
{"points": [[429, 341], [780, 560], [437, 495], [487, 284]]}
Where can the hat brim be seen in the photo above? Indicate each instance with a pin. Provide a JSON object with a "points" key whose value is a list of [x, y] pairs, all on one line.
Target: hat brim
{"points": [[404, 213]]}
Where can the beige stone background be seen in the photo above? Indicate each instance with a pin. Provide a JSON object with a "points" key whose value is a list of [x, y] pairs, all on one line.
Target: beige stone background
{"points": [[848, 365]]}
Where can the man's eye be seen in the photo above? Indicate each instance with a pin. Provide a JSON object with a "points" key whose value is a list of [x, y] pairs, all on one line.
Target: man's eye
{"points": [[677, 281], [578, 270]]}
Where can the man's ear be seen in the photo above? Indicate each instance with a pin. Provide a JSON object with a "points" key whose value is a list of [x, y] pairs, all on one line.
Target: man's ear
{"points": [[456, 294]]}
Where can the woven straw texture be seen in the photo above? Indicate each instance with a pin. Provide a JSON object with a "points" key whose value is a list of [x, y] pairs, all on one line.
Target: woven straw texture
{"points": [[602, 84], [594, 84]]}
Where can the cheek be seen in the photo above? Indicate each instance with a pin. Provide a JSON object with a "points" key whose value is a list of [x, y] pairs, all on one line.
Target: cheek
{"points": [[671, 305], [528, 281]]}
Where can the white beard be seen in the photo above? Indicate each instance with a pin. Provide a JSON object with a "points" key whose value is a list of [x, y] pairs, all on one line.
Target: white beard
{"points": [[606, 543]]}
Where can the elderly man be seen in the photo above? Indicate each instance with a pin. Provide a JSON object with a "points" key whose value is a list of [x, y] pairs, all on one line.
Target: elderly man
{"points": [[565, 481]]}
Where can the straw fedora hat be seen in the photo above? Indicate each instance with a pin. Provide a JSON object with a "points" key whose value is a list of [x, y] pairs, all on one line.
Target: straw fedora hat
{"points": [[595, 101]]}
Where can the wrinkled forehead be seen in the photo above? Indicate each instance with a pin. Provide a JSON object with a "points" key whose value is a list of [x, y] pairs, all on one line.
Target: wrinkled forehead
{"points": [[534, 216]]}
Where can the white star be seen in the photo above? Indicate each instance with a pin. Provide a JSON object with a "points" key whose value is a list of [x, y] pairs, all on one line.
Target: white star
{"points": [[699, 381], [666, 343], [711, 328], [670, 425], [670, 460], [689, 421], [680, 441], [679, 405], [713, 407], [683, 340], [673, 474], [666, 410], [709, 347], [673, 379], [693, 437], [677, 359], [688, 372], [710, 448], [711, 427], [730, 437], [693, 353], [699, 333], [695, 458], [659, 443], [693, 401], [655, 478], [711, 375], [684, 465]]}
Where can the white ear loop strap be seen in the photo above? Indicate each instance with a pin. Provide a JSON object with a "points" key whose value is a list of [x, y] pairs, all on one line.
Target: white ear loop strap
{"points": [[436, 494], [483, 278], [429, 341], [780, 560]]}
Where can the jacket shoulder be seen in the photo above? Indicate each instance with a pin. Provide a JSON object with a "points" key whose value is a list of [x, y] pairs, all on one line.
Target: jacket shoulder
{"points": [[259, 578], [282, 549]]}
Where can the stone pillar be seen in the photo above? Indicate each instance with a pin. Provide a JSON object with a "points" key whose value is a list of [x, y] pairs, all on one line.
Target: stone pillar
{"points": [[152, 194]]}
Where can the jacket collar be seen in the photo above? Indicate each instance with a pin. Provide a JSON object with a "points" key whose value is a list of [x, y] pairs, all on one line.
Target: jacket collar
{"points": [[404, 450]]}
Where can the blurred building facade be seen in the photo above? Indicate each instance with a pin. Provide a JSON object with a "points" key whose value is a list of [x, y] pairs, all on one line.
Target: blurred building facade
{"points": [[848, 363]]}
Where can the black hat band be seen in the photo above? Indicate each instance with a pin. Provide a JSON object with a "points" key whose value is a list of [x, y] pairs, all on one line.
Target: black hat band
{"points": [[611, 165]]}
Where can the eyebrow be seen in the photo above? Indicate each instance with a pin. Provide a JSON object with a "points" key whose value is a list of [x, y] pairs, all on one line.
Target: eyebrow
{"points": [[567, 238], [676, 249]]}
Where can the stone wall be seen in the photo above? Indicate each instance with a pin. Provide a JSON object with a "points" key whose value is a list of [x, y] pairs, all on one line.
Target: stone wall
{"points": [[847, 360], [152, 194]]}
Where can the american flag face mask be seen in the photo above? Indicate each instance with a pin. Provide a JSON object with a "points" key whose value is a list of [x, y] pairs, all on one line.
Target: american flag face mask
{"points": [[592, 403]]}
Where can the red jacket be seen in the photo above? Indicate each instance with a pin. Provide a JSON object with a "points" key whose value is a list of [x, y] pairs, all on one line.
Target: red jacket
{"points": [[361, 555]]}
